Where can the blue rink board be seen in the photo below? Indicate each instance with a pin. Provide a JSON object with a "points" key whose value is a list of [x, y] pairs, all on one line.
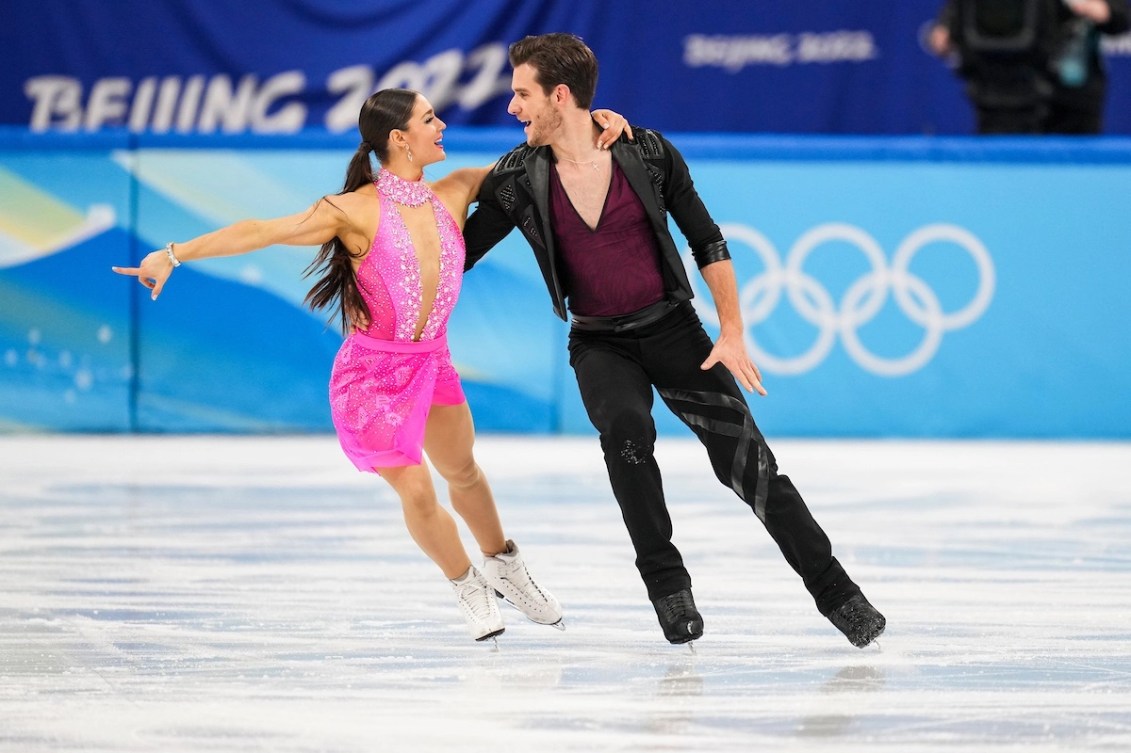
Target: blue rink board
{"points": [[913, 287]]}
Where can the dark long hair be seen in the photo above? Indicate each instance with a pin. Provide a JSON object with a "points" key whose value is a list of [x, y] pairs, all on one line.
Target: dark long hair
{"points": [[382, 113]]}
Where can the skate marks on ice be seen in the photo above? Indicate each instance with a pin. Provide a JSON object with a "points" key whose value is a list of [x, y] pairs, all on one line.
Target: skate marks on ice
{"points": [[257, 594]]}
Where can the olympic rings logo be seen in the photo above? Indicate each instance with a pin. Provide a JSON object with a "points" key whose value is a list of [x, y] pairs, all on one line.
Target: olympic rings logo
{"points": [[861, 302]]}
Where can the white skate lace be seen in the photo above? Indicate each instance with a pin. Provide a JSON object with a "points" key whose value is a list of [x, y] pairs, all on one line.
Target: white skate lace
{"points": [[517, 575], [475, 596]]}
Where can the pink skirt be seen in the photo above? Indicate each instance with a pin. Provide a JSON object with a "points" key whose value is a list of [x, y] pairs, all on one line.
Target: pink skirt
{"points": [[381, 392]]}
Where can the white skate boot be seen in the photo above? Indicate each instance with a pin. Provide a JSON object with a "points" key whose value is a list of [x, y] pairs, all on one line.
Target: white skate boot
{"points": [[477, 604], [507, 574]]}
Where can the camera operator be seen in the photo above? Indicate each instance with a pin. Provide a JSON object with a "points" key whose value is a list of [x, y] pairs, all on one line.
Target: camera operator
{"points": [[1031, 66]]}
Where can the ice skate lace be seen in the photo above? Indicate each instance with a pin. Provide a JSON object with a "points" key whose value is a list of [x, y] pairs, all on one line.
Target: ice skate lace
{"points": [[676, 605], [475, 596], [518, 576]]}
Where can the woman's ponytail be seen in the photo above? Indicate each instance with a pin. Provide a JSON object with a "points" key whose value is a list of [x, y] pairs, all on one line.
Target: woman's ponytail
{"points": [[383, 112]]}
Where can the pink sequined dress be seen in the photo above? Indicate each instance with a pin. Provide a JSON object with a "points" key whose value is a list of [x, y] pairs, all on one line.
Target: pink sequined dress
{"points": [[384, 381]]}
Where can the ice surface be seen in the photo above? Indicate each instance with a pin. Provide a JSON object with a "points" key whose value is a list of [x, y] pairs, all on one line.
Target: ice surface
{"points": [[257, 594]]}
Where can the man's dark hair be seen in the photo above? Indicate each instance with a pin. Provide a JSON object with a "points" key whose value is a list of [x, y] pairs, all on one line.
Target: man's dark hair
{"points": [[559, 59]]}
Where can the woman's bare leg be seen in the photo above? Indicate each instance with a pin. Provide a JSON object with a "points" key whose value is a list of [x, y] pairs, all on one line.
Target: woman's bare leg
{"points": [[430, 525], [448, 439]]}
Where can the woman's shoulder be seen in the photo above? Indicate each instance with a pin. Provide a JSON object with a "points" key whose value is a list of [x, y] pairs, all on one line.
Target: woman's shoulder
{"points": [[462, 184], [351, 202], [365, 192], [457, 190], [359, 209], [461, 176]]}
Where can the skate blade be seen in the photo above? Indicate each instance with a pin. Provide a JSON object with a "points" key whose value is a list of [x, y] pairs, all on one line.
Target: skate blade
{"points": [[491, 636], [559, 625]]}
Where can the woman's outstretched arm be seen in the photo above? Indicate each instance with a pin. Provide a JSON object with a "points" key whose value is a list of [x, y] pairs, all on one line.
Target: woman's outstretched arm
{"points": [[313, 227]]}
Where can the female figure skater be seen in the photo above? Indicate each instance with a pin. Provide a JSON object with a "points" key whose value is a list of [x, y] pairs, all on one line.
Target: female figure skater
{"points": [[392, 256]]}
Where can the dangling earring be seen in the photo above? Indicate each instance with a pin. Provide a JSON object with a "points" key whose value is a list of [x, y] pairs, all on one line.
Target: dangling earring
{"points": [[408, 151]]}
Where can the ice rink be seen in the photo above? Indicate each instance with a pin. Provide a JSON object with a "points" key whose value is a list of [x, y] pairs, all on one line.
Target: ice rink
{"points": [[257, 594]]}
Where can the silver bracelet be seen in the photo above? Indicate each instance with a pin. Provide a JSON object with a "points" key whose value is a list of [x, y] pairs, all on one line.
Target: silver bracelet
{"points": [[172, 257]]}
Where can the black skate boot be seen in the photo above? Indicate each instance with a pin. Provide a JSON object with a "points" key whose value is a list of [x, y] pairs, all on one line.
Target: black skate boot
{"points": [[861, 622], [678, 617]]}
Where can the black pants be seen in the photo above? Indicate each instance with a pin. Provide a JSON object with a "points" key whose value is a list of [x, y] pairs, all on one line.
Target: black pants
{"points": [[616, 373]]}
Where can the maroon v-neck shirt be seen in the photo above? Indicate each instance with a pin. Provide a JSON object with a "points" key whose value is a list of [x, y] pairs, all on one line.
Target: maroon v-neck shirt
{"points": [[613, 269]]}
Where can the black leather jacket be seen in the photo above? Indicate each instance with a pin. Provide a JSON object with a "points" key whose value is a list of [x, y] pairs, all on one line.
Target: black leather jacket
{"points": [[516, 193]]}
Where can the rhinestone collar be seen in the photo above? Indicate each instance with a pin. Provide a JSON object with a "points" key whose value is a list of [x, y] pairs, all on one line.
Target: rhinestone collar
{"points": [[410, 193]]}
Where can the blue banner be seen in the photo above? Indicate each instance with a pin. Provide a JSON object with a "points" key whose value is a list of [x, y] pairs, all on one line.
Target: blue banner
{"points": [[265, 66], [916, 287], [958, 294]]}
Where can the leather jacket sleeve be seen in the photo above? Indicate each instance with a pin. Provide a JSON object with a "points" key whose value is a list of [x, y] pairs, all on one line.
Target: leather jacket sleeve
{"points": [[487, 225], [690, 214]]}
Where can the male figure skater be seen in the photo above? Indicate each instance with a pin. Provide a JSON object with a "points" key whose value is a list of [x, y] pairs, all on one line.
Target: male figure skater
{"points": [[597, 223]]}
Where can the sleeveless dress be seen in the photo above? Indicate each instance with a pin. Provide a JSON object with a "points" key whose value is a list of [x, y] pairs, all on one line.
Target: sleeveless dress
{"points": [[384, 382]]}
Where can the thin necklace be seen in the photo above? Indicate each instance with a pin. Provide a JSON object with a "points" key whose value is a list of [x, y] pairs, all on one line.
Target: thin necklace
{"points": [[592, 162]]}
